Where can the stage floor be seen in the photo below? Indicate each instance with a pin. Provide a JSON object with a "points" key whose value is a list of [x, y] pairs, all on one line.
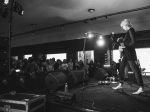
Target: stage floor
{"points": [[104, 99]]}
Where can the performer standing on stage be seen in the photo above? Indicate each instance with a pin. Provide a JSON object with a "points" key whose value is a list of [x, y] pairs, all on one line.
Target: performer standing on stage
{"points": [[129, 56]]}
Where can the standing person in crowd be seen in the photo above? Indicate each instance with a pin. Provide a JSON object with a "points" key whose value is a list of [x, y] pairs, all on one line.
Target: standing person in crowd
{"points": [[49, 65], [129, 56], [76, 65], [57, 65], [64, 66], [91, 69], [70, 65], [81, 65]]}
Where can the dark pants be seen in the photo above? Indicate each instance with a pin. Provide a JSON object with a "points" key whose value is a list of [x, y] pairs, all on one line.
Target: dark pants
{"points": [[134, 67]]}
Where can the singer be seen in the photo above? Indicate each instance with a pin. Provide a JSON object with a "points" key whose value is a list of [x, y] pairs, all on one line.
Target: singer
{"points": [[129, 56]]}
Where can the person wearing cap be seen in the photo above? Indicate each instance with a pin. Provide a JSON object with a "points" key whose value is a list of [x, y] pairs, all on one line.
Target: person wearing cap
{"points": [[129, 56]]}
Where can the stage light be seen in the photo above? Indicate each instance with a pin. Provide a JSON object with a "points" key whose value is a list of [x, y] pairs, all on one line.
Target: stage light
{"points": [[107, 66], [100, 36], [106, 18], [4, 1], [89, 35], [17, 70], [100, 42], [21, 12], [18, 8]]}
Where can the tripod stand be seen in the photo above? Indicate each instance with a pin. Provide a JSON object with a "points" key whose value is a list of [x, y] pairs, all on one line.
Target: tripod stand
{"points": [[85, 69]]}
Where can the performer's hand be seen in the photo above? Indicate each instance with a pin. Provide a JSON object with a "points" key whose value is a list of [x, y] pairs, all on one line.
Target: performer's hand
{"points": [[122, 45], [120, 48]]}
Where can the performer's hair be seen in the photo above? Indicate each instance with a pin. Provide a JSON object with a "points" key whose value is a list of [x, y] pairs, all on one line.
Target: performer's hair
{"points": [[126, 22]]}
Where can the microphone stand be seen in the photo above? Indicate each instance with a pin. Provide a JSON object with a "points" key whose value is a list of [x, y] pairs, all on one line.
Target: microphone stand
{"points": [[84, 69], [10, 35]]}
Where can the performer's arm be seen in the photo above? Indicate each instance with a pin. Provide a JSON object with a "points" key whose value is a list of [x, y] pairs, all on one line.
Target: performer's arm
{"points": [[132, 36]]}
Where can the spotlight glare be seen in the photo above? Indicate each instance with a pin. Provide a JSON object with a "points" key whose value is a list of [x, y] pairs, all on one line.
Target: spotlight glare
{"points": [[100, 42], [18, 8], [21, 12], [100, 37], [6, 2], [89, 35], [17, 70]]}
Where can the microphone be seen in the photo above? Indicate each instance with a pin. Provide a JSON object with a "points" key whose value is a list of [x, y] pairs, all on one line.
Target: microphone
{"points": [[112, 34]]}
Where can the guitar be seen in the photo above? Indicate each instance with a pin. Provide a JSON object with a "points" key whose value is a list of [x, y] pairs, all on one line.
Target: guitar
{"points": [[120, 44]]}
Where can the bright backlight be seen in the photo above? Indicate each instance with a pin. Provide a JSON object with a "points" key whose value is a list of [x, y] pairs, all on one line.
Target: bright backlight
{"points": [[100, 42]]}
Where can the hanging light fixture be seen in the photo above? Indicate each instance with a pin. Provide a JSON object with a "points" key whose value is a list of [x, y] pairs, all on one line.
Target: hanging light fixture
{"points": [[18, 8], [89, 34], [5, 2]]}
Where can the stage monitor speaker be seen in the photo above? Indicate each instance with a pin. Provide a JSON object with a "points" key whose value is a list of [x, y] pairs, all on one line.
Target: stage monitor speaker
{"points": [[8, 84], [100, 74], [65, 97], [28, 84], [77, 76], [55, 79]]}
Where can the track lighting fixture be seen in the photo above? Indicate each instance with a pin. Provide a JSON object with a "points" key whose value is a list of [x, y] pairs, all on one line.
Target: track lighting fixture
{"points": [[32, 33], [106, 17], [85, 21], [18, 8], [5, 2]]}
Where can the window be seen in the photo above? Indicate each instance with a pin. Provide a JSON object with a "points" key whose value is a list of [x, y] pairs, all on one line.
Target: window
{"points": [[27, 56], [89, 55], [15, 57], [142, 54], [60, 56]]}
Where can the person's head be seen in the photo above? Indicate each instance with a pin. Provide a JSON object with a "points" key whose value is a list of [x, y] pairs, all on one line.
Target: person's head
{"points": [[64, 61], [126, 24]]}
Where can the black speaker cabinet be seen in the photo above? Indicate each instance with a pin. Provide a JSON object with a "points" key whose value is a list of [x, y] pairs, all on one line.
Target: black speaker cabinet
{"points": [[100, 74], [3, 66], [77, 76], [55, 79], [3, 54], [4, 42], [8, 84]]}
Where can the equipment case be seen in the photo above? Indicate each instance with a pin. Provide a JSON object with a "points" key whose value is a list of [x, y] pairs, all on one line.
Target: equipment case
{"points": [[21, 102]]}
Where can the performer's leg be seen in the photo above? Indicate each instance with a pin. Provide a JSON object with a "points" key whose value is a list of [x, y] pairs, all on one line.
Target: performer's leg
{"points": [[138, 76], [126, 72], [121, 73], [121, 68], [137, 72]]}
